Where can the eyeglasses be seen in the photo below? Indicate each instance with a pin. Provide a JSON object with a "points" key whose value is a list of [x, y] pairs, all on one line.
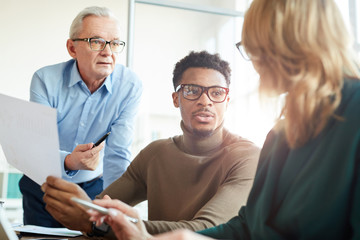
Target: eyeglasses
{"points": [[193, 92], [243, 52], [99, 44]]}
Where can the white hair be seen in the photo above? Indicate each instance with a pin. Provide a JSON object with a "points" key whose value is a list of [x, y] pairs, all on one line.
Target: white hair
{"points": [[76, 25]]}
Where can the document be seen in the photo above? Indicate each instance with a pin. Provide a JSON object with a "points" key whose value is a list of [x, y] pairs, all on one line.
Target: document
{"points": [[63, 232], [29, 138]]}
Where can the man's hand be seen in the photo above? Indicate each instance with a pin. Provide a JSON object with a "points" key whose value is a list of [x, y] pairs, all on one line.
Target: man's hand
{"points": [[84, 157], [57, 196], [126, 230]]}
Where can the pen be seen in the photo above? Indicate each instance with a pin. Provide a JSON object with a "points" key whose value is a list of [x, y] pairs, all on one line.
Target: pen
{"points": [[101, 139], [100, 209]]}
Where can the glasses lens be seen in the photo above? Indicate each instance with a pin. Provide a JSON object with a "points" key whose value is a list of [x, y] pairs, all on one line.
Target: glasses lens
{"points": [[217, 94], [242, 51], [117, 45], [192, 92], [97, 44]]}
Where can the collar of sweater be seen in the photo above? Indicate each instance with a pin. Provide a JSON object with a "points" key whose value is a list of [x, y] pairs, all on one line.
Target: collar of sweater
{"points": [[197, 145]]}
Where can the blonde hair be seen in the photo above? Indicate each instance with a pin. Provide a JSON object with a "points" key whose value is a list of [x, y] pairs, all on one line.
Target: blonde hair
{"points": [[303, 49]]}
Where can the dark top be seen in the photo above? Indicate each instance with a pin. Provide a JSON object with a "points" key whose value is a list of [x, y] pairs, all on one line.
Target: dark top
{"points": [[311, 192]]}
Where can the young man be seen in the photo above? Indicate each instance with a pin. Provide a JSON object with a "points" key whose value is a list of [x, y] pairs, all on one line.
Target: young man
{"points": [[93, 95], [192, 181]]}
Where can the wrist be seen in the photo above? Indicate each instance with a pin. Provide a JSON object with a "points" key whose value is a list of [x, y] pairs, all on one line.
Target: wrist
{"points": [[88, 227], [67, 163], [66, 160], [97, 231]]}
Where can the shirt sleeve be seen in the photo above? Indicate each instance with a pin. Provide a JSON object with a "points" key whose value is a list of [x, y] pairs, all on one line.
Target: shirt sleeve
{"points": [[117, 153], [230, 196], [39, 94]]}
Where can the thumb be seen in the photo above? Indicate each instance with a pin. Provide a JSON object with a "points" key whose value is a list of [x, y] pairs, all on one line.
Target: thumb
{"points": [[84, 147]]}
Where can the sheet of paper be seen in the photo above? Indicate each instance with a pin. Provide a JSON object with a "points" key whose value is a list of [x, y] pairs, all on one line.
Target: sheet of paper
{"points": [[62, 232], [29, 138]]}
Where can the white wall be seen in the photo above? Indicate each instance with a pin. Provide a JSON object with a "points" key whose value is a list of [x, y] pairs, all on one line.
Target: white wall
{"points": [[34, 34]]}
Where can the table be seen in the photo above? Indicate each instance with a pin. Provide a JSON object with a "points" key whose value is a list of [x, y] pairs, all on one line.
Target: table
{"points": [[42, 237]]}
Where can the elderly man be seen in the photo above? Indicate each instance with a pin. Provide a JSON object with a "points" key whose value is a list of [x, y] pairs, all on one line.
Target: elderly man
{"points": [[93, 95], [196, 180]]}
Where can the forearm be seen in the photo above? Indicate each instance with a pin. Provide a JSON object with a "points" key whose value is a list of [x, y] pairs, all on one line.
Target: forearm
{"points": [[129, 188], [155, 227]]}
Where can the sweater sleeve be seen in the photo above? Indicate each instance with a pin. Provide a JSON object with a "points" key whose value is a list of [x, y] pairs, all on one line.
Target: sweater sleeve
{"points": [[234, 229], [130, 188], [229, 197], [355, 213]]}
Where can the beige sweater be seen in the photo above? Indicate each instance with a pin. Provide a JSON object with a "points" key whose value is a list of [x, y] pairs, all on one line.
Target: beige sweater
{"points": [[189, 182]]}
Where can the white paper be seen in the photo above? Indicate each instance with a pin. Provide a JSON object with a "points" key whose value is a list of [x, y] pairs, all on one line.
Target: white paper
{"points": [[63, 232], [29, 138]]}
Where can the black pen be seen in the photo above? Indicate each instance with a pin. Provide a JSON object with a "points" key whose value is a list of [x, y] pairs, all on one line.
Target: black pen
{"points": [[101, 139]]}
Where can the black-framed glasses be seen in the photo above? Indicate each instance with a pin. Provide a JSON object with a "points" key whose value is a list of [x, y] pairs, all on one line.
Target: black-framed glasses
{"points": [[193, 92], [243, 52], [99, 44]]}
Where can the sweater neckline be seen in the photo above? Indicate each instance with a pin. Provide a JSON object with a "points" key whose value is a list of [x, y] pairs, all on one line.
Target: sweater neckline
{"points": [[197, 145]]}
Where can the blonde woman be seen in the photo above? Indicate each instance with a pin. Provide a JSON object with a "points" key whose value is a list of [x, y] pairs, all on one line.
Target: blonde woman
{"points": [[307, 184]]}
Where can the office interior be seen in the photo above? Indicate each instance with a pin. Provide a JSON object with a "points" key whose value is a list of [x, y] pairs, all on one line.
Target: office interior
{"points": [[157, 33]]}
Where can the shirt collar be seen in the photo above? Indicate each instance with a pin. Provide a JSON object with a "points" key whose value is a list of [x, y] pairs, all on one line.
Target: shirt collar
{"points": [[74, 75], [76, 78], [108, 83]]}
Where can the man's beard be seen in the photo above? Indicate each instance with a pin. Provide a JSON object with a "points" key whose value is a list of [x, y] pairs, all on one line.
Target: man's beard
{"points": [[203, 133]]}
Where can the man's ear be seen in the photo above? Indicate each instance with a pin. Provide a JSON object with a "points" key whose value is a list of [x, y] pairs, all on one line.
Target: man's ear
{"points": [[227, 101], [175, 97], [71, 48]]}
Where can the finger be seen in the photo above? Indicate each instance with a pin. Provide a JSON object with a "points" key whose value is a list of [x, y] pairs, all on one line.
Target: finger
{"points": [[92, 154], [83, 147], [56, 204], [123, 207], [118, 222], [43, 187], [94, 215], [56, 213], [106, 197], [98, 148], [61, 198], [60, 184]]}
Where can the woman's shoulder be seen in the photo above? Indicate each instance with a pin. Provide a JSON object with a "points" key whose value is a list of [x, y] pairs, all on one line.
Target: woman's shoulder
{"points": [[350, 102]]}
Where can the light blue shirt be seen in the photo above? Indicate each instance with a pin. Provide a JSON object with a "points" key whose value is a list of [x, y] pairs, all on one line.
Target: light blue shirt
{"points": [[83, 117]]}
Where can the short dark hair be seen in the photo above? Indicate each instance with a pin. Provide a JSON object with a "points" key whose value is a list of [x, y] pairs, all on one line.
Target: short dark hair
{"points": [[201, 59]]}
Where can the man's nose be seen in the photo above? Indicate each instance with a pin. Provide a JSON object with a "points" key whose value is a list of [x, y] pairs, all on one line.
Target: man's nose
{"points": [[204, 99], [107, 49]]}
